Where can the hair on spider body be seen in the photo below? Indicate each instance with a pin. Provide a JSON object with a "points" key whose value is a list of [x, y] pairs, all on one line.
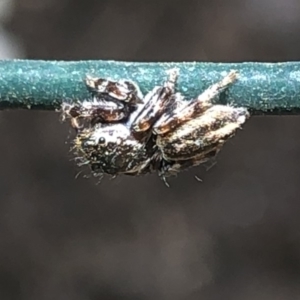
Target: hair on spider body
{"points": [[120, 131]]}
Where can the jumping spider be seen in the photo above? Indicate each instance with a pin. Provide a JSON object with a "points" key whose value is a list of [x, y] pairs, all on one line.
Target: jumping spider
{"points": [[121, 132]]}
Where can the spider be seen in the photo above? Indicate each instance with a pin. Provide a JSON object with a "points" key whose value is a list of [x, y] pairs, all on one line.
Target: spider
{"points": [[118, 131]]}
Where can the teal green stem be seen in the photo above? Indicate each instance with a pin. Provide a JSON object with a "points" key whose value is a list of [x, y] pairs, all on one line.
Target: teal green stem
{"points": [[264, 88]]}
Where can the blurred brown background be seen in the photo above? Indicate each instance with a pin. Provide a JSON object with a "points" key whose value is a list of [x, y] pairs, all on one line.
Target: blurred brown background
{"points": [[236, 235]]}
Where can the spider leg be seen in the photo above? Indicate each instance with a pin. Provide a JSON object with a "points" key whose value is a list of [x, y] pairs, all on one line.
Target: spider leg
{"points": [[103, 109], [194, 108], [90, 112], [112, 101], [122, 90], [157, 101]]}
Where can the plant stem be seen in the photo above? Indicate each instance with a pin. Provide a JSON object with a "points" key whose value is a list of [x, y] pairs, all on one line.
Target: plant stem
{"points": [[264, 88]]}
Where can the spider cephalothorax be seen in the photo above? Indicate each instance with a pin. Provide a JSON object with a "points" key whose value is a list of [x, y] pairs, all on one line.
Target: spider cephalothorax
{"points": [[119, 131]]}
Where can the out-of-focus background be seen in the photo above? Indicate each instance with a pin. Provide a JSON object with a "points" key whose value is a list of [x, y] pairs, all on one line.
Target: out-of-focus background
{"points": [[234, 236]]}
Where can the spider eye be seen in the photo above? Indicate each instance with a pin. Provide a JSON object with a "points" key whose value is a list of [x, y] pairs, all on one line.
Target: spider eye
{"points": [[101, 140]]}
